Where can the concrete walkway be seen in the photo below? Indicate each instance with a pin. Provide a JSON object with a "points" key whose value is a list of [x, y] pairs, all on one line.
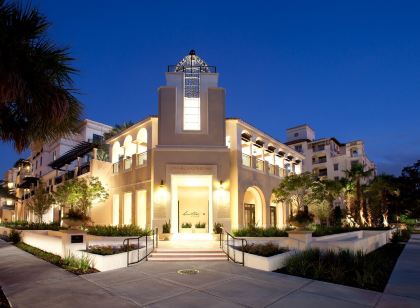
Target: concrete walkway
{"points": [[30, 282], [403, 289]]}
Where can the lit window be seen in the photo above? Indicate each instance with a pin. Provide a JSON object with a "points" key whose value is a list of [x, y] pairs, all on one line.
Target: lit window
{"points": [[191, 113]]}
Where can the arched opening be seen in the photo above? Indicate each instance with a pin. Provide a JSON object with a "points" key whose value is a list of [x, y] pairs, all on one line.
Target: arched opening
{"points": [[253, 207], [116, 151], [141, 140], [129, 146], [277, 213]]}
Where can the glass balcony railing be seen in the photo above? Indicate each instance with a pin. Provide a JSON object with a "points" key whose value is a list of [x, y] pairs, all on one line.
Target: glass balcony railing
{"points": [[259, 164], [142, 159], [115, 167], [271, 168], [246, 160], [127, 163]]}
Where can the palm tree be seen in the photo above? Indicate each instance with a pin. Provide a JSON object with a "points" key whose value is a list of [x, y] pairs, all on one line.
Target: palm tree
{"points": [[356, 174], [381, 191], [37, 102], [118, 128]]}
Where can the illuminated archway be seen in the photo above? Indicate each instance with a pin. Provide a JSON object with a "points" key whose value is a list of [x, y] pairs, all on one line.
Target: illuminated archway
{"points": [[116, 151], [141, 140], [253, 207], [129, 146]]}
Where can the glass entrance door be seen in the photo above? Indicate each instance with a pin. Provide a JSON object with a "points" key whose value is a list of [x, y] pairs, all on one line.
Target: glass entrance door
{"points": [[249, 214], [193, 209], [273, 216]]}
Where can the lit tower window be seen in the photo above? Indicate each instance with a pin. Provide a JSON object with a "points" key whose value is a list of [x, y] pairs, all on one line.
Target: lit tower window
{"points": [[192, 66]]}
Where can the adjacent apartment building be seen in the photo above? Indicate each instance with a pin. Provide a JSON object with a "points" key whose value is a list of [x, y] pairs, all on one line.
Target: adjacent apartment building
{"points": [[26, 174], [327, 157]]}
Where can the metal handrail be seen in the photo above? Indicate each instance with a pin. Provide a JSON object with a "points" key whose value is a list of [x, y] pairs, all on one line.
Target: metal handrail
{"points": [[227, 252], [126, 243]]}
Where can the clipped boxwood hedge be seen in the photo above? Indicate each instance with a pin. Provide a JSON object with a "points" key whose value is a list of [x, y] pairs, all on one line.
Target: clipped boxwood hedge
{"points": [[125, 230]]}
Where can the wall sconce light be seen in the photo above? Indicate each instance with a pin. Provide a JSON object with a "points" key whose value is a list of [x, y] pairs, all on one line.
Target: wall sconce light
{"points": [[221, 195], [161, 195]]}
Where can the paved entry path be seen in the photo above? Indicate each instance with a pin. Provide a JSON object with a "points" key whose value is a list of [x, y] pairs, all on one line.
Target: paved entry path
{"points": [[30, 282]]}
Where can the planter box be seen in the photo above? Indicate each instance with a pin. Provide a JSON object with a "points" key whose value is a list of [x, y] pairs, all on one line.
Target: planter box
{"points": [[282, 241], [185, 230], [364, 240], [200, 230], [267, 264], [111, 262]]}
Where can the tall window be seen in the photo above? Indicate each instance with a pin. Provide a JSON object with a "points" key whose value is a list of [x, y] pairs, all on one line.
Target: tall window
{"points": [[192, 98]]}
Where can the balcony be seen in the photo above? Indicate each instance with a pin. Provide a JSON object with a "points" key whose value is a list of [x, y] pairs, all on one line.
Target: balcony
{"points": [[85, 168], [320, 160], [246, 160], [318, 148], [127, 163], [271, 169], [142, 159], [259, 164], [115, 167]]}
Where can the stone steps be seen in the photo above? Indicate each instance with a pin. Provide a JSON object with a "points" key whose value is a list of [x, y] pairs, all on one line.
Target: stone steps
{"points": [[187, 255]]}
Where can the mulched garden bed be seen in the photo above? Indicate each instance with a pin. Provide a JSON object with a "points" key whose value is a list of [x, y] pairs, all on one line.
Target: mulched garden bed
{"points": [[370, 271]]}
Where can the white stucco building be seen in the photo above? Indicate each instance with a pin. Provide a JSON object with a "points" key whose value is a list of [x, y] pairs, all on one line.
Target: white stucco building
{"points": [[327, 157]]}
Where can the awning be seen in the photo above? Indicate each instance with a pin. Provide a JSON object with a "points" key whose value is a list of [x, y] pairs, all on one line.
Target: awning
{"points": [[246, 137], [271, 148], [79, 150]]}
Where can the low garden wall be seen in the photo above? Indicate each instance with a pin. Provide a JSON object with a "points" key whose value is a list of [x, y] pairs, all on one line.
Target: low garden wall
{"points": [[268, 264], [366, 241], [42, 240], [111, 262]]}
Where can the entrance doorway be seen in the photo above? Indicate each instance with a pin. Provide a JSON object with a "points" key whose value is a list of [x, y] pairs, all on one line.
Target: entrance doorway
{"points": [[249, 214], [193, 209], [191, 204]]}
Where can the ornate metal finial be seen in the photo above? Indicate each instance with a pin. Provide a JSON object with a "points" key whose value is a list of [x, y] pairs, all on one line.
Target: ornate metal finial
{"points": [[192, 52]]}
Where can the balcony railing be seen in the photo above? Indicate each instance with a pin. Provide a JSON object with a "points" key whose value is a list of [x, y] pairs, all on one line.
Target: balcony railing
{"points": [[127, 163], [115, 167], [83, 169], [259, 164], [246, 160], [271, 168], [320, 161], [142, 159]]}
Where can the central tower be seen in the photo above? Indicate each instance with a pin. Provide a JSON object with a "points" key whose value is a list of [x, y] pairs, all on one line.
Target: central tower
{"points": [[191, 105]]}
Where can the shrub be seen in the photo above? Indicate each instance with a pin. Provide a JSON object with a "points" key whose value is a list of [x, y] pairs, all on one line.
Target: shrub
{"points": [[126, 230], [200, 225], [260, 232], [400, 236], [324, 230], [301, 219], [369, 271], [264, 250], [218, 228], [49, 257], [25, 225], [186, 225], [14, 236], [78, 265], [110, 250], [166, 228]]}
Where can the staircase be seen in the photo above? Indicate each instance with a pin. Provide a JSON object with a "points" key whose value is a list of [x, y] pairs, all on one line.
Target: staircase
{"points": [[162, 254]]}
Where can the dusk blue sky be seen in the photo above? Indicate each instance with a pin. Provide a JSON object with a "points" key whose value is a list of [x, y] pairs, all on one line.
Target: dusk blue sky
{"points": [[350, 69]]}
